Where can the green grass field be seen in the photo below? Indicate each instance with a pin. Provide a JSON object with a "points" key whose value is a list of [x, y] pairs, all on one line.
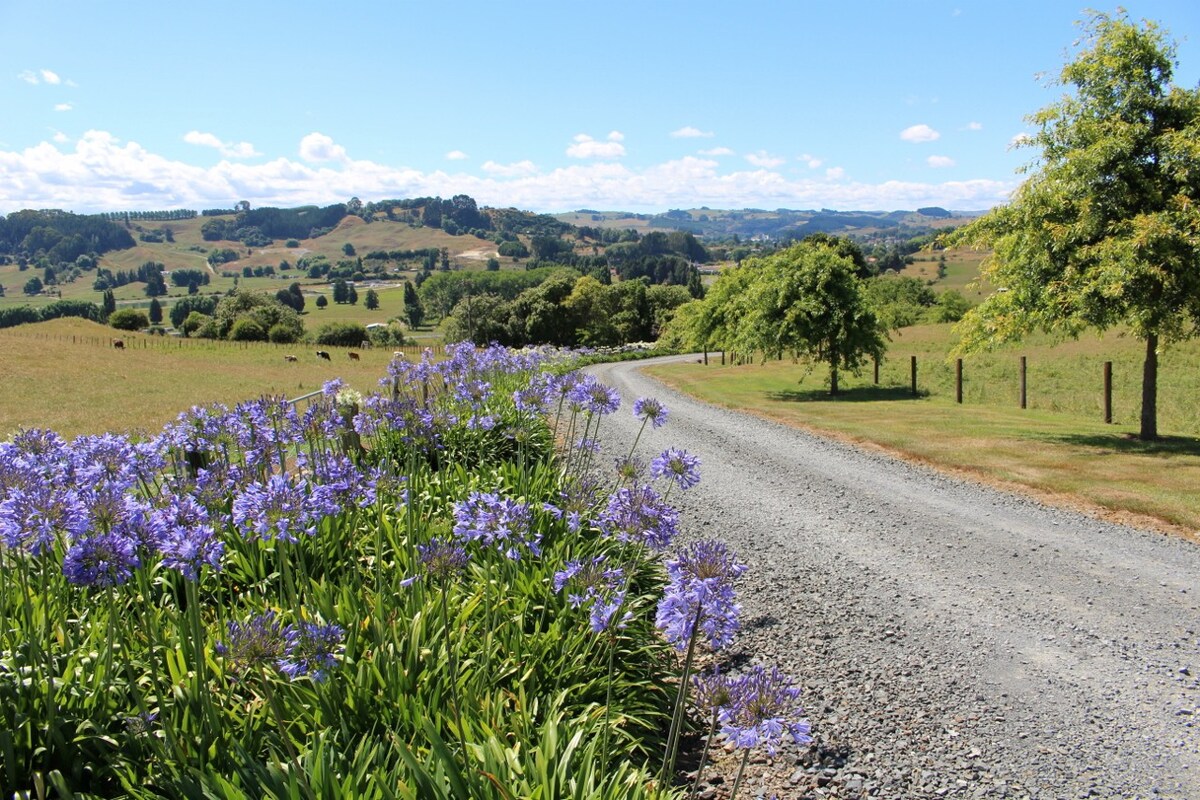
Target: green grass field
{"points": [[65, 375], [1058, 445]]}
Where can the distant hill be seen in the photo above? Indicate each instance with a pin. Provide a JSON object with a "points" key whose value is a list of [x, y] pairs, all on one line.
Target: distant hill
{"points": [[782, 223]]}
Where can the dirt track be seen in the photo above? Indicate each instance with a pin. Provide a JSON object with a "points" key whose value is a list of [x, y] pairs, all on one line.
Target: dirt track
{"points": [[953, 640]]}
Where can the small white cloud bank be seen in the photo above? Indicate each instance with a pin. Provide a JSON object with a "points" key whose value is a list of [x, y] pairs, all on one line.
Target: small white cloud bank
{"points": [[919, 134], [940, 162], [227, 149], [765, 160], [585, 147], [688, 132], [456, 155], [318, 147]]}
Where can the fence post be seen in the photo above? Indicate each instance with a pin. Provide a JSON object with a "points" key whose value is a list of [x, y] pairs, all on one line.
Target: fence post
{"points": [[913, 365], [722, 358], [958, 381], [876, 370], [706, 357], [1107, 392], [1023, 394]]}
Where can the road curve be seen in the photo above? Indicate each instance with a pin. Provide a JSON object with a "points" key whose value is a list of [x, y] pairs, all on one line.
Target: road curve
{"points": [[952, 640]]}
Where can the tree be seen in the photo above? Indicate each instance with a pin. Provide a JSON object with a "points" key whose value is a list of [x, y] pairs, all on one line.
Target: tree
{"points": [[371, 300], [414, 312], [321, 301], [351, 295], [33, 286], [808, 301], [129, 319], [348, 249], [156, 312], [108, 303], [1102, 232], [341, 292]]}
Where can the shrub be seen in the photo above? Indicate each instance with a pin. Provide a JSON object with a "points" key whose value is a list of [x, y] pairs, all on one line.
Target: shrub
{"points": [[193, 322], [282, 333], [247, 329], [341, 334], [129, 319]]}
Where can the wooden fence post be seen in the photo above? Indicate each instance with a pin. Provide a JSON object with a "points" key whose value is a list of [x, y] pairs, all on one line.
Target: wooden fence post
{"points": [[1023, 385], [958, 381], [1107, 392], [876, 370], [913, 366]]}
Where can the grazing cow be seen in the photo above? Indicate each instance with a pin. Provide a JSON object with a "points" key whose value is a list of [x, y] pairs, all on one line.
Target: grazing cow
{"points": [[353, 355], [119, 344], [366, 345], [289, 358], [324, 354]]}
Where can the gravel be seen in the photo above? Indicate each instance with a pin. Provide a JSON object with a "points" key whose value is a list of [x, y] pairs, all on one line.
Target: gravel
{"points": [[952, 640]]}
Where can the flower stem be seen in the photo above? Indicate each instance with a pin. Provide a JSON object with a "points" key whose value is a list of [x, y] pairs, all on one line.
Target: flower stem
{"points": [[741, 771]]}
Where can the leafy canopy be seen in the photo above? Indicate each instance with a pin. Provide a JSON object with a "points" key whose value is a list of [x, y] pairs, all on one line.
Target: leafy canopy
{"points": [[1103, 232]]}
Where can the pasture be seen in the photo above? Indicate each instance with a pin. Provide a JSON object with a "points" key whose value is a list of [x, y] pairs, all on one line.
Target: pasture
{"points": [[65, 375], [1058, 445]]}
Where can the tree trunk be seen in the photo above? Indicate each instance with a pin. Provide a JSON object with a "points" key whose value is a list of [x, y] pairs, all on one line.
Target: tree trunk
{"points": [[1149, 430], [833, 376]]}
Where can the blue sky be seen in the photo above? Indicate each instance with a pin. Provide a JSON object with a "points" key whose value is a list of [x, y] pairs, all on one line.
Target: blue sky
{"points": [[546, 106]]}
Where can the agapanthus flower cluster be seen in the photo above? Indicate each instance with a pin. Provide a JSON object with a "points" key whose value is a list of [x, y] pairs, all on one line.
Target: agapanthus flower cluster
{"points": [[650, 409], [282, 508], [496, 521], [764, 705], [297, 650], [677, 465], [101, 559], [442, 559], [699, 598], [599, 587], [593, 397], [185, 535], [637, 514], [337, 474]]}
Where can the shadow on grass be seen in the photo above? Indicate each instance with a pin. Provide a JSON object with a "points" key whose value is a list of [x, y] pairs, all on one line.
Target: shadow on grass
{"points": [[859, 394], [1127, 444]]}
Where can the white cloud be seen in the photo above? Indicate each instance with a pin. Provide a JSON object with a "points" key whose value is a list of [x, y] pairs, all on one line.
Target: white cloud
{"points": [[62, 107], [519, 169], [812, 161], [227, 149], [587, 147], [688, 132], [319, 147], [456, 155], [716, 151], [974, 126], [100, 172], [61, 137], [43, 76], [765, 160], [918, 134], [940, 161], [29, 76], [1020, 140], [51, 77]]}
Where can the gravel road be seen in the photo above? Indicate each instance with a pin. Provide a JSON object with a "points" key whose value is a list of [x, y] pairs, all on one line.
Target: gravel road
{"points": [[952, 640]]}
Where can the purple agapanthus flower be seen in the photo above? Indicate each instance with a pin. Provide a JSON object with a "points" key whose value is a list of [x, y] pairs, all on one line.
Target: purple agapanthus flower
{"points": [[597, 586], [638, 514], [495, 521], [310, 650], [34, 517], [185, 536], [101, 559], [281, 508], [764, 706], [699, 598], [678, 465], [258, 642], [441, 559], [594, 397], [649, 409]]}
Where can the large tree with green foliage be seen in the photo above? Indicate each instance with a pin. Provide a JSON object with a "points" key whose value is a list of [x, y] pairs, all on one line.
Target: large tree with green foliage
{"points": [[808, 301], [1103, 231]]}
